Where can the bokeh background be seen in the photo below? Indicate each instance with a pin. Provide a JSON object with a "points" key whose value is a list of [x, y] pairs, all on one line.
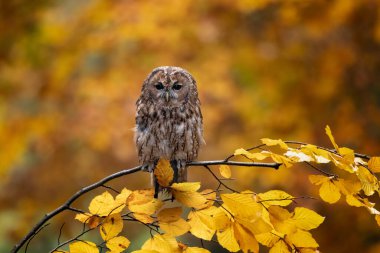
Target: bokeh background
{"points": [[71, 71]]}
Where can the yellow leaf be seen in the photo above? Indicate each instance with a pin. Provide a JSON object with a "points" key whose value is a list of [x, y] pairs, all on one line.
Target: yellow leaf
{"points": [[111, 227], [169, 214], [331, 137], [275, 197], [94, 222], [226, 239], [186, 194], [144, 218], [121, 199], [347, 154], [348, 187], [281, 220], [147, 208], [118, 244], [83, 247], [353, 201], [191, 199], [175, 228], [268, 239], [279, 213], [199, 228], [341, 163], [318, 179], [204, 222], [374, 164], [285, 161], [139, 197], [195, 250], [329, 192], [301, 239], [306, 219], [164, 172], [259, 226], [249, 155], [210, 196], [91, 220], [186, 187], [161, 243], [219, 216], [170, 221], [143, 202], [279, 247], [320, 155], [369, 182], [83, 217], [225, 171], [271, 142], [245, 239], [103, 205], [242, 205]]}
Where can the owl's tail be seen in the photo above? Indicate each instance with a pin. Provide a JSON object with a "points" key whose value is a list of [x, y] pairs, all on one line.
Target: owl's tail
{"points": [[180, 175]]}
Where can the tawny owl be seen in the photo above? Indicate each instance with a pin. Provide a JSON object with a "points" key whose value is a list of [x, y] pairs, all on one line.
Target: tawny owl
{"points": [[168, 120]]}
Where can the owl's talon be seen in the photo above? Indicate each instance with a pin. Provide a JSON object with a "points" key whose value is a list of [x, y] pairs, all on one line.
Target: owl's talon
{"points": [[174, 165], [148, 167]]}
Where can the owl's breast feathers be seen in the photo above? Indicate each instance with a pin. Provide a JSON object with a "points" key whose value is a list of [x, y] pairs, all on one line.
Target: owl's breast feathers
{"points": [[170, 133]]}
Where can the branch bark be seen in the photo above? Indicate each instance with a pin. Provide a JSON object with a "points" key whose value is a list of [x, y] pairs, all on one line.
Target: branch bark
{"points": [[67, 204]]}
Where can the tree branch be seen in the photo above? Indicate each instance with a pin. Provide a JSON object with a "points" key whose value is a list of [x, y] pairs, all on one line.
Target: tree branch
{"points": [[67, 204], [246, 164]]}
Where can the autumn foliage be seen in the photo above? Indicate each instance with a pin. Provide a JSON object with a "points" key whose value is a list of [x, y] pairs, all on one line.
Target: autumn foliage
{"points": [[238, 221]]}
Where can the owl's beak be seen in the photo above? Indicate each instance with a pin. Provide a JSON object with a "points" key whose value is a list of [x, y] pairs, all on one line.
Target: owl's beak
{"points": [[167, 96]]}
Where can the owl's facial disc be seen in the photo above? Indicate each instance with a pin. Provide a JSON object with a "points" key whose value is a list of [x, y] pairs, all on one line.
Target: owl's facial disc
{"points": [[170, 87]]}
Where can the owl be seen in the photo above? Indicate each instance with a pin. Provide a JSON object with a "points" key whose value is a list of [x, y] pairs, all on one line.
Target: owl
{"points": [[168, 121]]}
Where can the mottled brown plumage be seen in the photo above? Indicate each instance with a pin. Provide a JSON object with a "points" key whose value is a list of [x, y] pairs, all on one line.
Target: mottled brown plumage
{"points": [[168, 120]]}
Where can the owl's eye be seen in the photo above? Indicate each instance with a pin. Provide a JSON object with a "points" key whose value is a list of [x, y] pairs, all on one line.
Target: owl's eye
{"points": [[159, 86], [177, 86]]}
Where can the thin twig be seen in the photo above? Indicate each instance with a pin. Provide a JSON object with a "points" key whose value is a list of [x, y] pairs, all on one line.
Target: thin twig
{"points": [[76, 238], [34, 234], [155, 229], [76, 210], [220, 182], [248, 149], [110, 188], [60, 233], [322, 171], [292, 199]]}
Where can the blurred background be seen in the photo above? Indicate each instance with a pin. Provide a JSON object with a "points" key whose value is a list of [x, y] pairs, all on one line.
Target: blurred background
{"points": [[71, 71]]}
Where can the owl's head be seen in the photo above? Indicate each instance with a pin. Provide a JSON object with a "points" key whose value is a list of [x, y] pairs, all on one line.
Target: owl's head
{"points": [[170, 86]]}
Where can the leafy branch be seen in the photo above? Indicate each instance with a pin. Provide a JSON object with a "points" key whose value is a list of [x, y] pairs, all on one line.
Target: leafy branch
{"points": [[238, 220], [102, 182], [69, 202]]}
